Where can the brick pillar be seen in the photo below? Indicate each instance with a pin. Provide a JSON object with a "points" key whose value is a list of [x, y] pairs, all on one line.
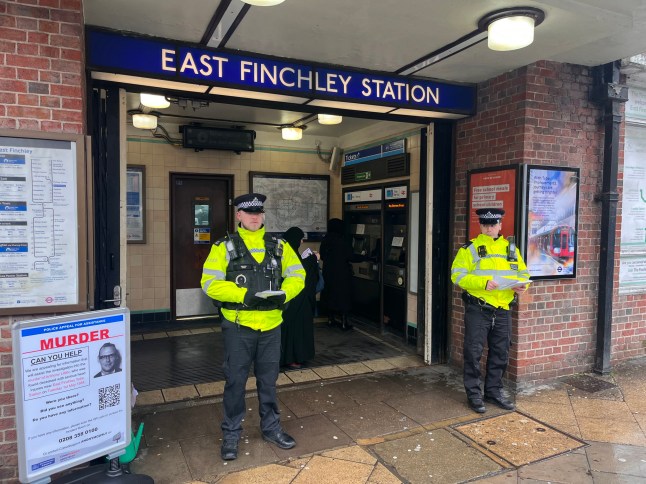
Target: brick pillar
{"points": [[41, 89], [540, 114]]}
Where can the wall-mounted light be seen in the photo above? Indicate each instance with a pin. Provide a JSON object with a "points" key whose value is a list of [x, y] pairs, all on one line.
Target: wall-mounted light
{"points": [[329, 119], [291, 133], [154, 101], [263, 3], [511, 28], [144, 121]]}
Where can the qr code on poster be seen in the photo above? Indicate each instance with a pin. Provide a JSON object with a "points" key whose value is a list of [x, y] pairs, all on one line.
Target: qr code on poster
{"points": [[109, 396]]}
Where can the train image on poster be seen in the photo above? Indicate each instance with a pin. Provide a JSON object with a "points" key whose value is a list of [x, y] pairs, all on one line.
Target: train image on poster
{"points": [[552, 207]]}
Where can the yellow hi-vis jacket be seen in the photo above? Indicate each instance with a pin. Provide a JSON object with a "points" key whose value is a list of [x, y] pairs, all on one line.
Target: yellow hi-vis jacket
{"points": [[215, 285], [473, 267]]}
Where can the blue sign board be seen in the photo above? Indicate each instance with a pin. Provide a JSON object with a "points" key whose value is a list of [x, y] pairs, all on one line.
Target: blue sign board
{"points": [[111, 51], [374, 152]]}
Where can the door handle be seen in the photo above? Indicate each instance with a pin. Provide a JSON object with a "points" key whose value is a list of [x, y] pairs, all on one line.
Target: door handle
{"points": [[116, 296]]}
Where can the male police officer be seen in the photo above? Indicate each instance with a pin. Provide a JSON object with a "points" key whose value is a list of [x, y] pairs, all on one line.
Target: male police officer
{"points": [[491, 271], [238, 268]]}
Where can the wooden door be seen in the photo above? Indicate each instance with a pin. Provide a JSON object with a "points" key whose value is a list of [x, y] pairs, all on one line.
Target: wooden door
{"points": [[200, 214]]}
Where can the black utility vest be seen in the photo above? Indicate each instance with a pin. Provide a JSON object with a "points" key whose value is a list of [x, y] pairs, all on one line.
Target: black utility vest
{"points": [[246, 272]]}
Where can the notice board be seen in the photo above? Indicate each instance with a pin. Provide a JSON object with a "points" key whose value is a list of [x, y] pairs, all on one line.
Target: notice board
{"points": [[42, 216], [72, 389]]}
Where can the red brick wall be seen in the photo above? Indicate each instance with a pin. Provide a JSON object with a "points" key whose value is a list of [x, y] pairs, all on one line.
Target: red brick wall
{"points": [[542, 114], [41, 89], [41, 65]]}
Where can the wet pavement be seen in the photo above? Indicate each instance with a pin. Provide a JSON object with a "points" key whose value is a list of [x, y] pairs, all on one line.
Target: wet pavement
{"points": [[401, 421]]}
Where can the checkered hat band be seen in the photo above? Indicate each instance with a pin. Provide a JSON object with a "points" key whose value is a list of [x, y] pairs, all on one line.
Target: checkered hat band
{"points": [[490, 215], [251, 203]]}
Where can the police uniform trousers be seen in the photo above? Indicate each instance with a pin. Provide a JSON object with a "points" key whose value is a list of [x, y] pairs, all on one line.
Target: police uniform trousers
{"points": [[480, 325], [242, 346]]}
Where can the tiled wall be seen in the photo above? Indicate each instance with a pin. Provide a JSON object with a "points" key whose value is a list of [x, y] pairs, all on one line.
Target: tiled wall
{"points": [[148, 284], [148, 280]]}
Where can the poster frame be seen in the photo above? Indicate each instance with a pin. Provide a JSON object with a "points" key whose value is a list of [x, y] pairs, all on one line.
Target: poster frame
{"points": [[141, 170], [526, 215], [311, 236], [25, 329], [83, 238], [516, 223]]}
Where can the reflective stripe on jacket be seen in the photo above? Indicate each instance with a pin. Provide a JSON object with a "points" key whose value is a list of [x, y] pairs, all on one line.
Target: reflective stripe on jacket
{"points": [[215, 285], [471, 271]]}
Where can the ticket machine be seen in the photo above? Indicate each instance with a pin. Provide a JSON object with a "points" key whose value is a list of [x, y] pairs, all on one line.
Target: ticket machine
{"points": [[378, 222], [363, 213], [395, 257]]}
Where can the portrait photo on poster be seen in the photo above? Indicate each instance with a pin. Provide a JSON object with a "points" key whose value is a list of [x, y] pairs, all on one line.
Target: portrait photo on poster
{"points": [[109, 359]]}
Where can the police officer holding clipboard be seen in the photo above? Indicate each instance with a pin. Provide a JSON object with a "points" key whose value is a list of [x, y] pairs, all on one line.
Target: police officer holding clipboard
{"points": [[251, 275], [491, 272]]}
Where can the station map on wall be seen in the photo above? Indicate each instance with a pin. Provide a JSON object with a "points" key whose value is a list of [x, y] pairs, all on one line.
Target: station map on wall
{"points": [[38, 215], [294, 201]]}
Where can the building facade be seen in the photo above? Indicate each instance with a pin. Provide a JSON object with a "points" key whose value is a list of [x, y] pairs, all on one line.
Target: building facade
{"points": [[540, 114]]}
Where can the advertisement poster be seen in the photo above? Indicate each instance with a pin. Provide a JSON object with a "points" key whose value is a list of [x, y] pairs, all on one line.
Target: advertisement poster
{"points": [[552, 208], [493, 189], [38, 203], [72, 391], [135, 212], [632, 271]]}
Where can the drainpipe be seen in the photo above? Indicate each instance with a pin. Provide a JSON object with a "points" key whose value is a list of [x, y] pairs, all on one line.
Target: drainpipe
{"points": [[609, 94]]}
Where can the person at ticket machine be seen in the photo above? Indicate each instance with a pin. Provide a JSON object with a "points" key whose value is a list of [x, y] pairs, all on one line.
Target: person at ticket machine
{"points": [[491, 272]]}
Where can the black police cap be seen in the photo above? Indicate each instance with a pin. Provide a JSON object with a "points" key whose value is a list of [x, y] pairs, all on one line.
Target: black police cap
{"points": [[250, 202], [490, 216]]}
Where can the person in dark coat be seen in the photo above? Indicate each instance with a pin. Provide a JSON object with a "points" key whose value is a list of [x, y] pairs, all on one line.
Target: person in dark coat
{"points": [[336, 254], [297, 330]]}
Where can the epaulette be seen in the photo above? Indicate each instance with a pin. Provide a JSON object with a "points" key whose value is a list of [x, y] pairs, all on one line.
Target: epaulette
{"points": [[466, 246], [220, 240]]}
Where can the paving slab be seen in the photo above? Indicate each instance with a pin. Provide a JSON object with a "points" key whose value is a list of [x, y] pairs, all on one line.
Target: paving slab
{"points": [[164, 463], [163, 427], [435, 456], [327, 372], [430, 406], [617, 459], [554, 414], [371, 420], [518, 438], [614, 431], [328, 470], [203, 455], [354, 453], [569, 468], [272, 473], [381, 475], [175, 394], [312, 434], [315, 400], [370, 389]]}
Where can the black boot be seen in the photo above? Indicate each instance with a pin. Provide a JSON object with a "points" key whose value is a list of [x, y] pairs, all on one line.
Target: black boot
{"points": [[345, 324]]}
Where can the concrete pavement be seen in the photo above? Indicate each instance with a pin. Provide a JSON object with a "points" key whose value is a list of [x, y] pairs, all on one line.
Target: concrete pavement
{"points": [[405, 422]]}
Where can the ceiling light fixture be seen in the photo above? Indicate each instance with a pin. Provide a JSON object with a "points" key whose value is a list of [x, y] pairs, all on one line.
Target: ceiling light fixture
{"points": [[263, 3], [144, 121], [329, 119], [154, 101], [292, 133], [511, 28]]}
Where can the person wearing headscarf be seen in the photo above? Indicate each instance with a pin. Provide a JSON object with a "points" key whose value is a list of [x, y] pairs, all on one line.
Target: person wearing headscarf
{"points": [[297, 330], [336, 254]]}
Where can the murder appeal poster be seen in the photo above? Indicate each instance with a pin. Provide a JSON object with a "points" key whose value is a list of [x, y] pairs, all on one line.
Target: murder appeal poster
{"points": [[72, 390]]}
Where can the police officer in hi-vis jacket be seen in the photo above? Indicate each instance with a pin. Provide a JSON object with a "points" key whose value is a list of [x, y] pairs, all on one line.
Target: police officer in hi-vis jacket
{"points": [[491, 271], [251, 275]]}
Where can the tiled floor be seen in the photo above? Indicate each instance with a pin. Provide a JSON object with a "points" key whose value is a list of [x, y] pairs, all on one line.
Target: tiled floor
{"points": [[400, 425]]}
